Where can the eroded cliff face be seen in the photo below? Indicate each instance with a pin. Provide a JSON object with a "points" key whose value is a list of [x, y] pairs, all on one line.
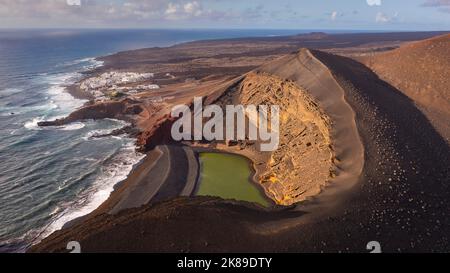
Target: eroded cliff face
{"points": [[303, 163], [157, 134]]}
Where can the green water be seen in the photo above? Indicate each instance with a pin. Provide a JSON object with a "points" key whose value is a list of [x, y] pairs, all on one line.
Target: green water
{"points": [[228, 176]]}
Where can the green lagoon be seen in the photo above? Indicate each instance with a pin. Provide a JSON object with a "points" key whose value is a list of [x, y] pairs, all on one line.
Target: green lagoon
{"points": [[229, 177]]}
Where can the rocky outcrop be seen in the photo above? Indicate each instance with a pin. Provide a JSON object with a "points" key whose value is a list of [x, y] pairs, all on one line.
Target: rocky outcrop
{"points": [[303, 163], [116, 109], [127, 130], [160, 133]]}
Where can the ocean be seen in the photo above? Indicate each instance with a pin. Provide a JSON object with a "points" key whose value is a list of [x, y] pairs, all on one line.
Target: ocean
{"points": [[53, 175]]}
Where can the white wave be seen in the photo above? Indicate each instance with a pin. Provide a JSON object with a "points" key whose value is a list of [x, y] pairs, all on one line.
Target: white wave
{"points": [[72, 126], [10, 91], [79, 61], [116, 171], [33, 124], [101, 132], [90, 159], [61, 78], [10, 111], [94, 64], [55, 211], [60, 101], [119, 122], [90, 63], [65, 102], [95, 133]]}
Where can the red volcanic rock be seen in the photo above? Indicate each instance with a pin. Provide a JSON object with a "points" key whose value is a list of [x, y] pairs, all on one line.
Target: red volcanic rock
{"points": [[160, 133], [98, 111], [114, 109], [133, 110]]}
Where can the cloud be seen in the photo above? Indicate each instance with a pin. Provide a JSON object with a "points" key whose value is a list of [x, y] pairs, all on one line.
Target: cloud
{"points": [[112, 13], [436, 3], [374, 2], [173, 13], [382, 18], [187, 10], [334, 14], [256, 12], [74, 2], [171, 9], [443, 5], [193, 8]]}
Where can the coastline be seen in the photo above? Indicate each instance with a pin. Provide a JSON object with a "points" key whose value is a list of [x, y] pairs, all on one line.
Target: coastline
{"points": [[128, 130], [77, 93], [358, 160]]}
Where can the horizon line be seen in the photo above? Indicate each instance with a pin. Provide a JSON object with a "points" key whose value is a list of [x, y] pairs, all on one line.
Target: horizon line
{"points": [[200, 28]]}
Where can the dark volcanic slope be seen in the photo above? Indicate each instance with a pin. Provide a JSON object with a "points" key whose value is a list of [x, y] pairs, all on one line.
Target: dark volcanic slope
{"points": [[400, 200], [403, 197]]}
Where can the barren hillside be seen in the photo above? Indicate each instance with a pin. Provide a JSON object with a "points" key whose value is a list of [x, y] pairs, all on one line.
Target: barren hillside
{"points": [[420, 70]]}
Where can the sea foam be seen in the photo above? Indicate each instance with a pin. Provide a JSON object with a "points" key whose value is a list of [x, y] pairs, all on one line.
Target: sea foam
{"points": [[113, 172]]}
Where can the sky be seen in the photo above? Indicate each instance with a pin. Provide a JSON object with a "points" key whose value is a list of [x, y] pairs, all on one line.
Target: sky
{"points": [[230, 14]]}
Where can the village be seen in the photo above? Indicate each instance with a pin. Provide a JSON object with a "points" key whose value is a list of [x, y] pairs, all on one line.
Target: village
{"points": [[112, 85]]}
